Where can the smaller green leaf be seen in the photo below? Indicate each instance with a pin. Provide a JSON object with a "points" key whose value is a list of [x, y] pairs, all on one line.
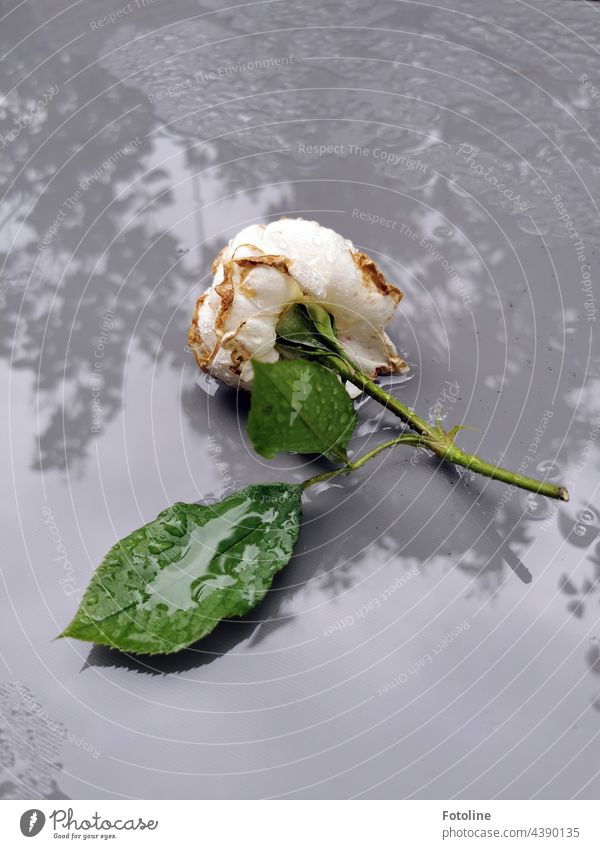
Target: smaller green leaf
{"points": [[307, 330], [296, 328], [300, 406], [171, 582], [323, 322]]}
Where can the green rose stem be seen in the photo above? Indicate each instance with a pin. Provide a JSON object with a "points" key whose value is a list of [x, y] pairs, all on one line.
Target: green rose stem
{"points": [[438, 441], [353, 465], [308, 330]]}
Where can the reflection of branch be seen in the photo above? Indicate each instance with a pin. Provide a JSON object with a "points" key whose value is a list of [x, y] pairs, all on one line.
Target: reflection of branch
{"points": [[11, 210]]}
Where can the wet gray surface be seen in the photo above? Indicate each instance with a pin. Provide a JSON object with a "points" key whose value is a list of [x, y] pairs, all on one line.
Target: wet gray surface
{"points": [[132, 148]]}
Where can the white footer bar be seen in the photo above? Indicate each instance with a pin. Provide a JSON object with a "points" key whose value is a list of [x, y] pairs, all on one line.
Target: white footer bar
{"points": [[303, 824]]}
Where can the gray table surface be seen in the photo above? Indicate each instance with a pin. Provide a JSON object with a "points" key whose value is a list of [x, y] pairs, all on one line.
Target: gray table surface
{"points": [[132, 148]]}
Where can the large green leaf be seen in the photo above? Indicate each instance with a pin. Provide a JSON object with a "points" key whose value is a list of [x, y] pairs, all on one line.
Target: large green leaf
{"points": [[299, 405], [170, 582]]}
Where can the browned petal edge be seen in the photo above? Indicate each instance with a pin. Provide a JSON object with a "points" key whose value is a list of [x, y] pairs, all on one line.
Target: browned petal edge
{"points": [[218, 259], [244, 245], [248, 264], [394, 365], [277, 261], [226, 292], [372, 274], [194, 339], [238, 355]]}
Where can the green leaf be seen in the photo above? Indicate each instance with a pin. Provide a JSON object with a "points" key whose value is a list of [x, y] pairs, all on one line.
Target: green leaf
{"points": [[307, 330], [298, 405], [296, 328], [171, 582], [323, 323]]}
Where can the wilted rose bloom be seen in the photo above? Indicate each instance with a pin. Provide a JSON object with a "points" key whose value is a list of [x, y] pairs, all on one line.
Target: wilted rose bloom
{"points": [[264, 269]]}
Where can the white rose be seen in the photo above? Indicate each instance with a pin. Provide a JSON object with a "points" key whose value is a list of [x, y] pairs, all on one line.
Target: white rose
{"points": [[264, 269]]}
